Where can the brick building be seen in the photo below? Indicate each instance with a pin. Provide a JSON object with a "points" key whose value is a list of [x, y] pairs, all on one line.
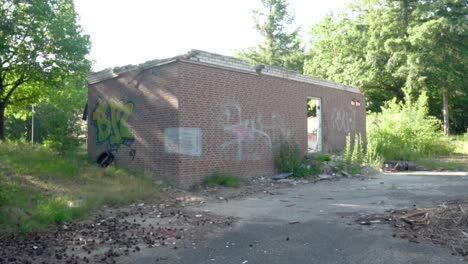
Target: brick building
{"points": [[185, 117]]}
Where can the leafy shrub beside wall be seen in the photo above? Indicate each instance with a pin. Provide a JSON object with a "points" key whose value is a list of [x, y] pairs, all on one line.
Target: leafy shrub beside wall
{"points": [[289, 158], [405, 131]]}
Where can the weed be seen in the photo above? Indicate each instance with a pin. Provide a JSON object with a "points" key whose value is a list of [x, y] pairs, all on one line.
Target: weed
{"points": [[221, 178], [347, 152], [39, 187], [290, 159], [353, 155], [405, 131], [357, 157], [322, 157]]}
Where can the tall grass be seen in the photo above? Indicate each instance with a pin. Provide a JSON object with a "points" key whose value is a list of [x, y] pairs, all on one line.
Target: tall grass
{"points": [[39, 187], [405, 131], [289, 158]]}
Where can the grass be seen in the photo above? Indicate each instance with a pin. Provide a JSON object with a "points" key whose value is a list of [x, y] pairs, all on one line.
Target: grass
{"points": [[221, 178], [289, 158], [456, 161], [461, 144], [39, 187]]}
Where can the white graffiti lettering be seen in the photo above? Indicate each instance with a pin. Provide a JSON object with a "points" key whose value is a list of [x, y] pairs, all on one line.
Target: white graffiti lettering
{"points": [[343, 119], [251, 136]]}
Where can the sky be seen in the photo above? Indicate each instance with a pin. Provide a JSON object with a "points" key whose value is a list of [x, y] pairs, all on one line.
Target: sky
{"points": [[131, 32]]}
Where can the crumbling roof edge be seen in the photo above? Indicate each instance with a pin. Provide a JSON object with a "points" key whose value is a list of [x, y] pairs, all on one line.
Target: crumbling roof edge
{"points": [[226, 62], [220, 61], [111, 73]]}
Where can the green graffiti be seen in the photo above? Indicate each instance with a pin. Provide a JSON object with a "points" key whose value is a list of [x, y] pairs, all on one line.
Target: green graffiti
{"points": [[110, 119]]}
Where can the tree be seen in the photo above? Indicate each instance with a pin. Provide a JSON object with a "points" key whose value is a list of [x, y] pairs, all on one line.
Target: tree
{"points": [[41, 45], [279, 48], [387, 47], [57, 119], [438, 61]]}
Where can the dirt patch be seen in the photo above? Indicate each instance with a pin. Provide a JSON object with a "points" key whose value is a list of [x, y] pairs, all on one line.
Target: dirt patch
{"points": [[114, 234], [251, 187], [445, 225]]}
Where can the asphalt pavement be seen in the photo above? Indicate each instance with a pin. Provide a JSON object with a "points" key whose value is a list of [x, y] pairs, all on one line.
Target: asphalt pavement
{"points": [[315, 223]]}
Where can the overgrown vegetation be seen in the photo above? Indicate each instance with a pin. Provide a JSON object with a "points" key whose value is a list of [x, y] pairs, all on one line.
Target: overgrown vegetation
{"points": [[386, 46], [221, 179], [42, 50], [458, 160], [405, 131], [39, 187], [353, 155], [289, 158], [57, 120]]}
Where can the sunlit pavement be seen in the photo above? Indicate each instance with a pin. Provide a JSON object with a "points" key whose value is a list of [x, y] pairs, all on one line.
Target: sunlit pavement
{"points": [[314, 223]]}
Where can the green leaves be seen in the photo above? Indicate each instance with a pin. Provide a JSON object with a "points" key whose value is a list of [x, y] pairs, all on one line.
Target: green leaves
{"points": [[41, 46], [384, 47], [280, 47], [405, 131]]}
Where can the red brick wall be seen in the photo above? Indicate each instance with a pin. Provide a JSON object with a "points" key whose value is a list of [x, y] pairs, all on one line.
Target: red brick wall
{"points": [[155, 106], [244, 116], [238, 118]]}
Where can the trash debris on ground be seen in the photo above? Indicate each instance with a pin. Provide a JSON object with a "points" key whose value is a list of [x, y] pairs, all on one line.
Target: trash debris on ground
{"points": [[113, 234], [445, 225], [395, 166], [281, 176], [346, 174], [118, 232], [325, 177]]}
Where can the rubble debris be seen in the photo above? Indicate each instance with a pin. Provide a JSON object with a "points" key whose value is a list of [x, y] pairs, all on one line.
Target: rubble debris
{"points": [[346, 174], [394, 166], [189, 200], [325, 177], [113, 233], [445, 225], [281, 176]]}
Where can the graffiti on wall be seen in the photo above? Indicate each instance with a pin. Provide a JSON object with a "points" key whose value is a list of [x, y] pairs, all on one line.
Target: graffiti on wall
{"points": [[110, 120], [251, 137], [343, 119], [183, 140]]}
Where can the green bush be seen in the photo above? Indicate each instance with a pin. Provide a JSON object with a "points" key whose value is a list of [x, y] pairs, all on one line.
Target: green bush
{"points": [[405, 131], [323, 157], [222, 179], [290, 159]]}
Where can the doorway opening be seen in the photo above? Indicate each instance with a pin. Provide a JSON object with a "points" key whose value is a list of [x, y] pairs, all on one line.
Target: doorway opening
{"points": [[314, 125]]}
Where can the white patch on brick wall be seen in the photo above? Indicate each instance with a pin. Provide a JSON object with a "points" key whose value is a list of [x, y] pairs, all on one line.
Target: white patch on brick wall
{"points": [[343, 119], [183, 140]]}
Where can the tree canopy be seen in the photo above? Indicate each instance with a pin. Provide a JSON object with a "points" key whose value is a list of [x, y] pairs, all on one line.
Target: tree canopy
{"points": [[41, 46], [281, 47], [386, 47]]}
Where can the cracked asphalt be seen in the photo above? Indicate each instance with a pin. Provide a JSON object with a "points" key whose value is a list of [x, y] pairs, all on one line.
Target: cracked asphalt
{"points": [[314, 223]]}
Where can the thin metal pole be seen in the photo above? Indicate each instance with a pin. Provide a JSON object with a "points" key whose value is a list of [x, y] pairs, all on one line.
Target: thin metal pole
{"points": [[32, 125]]}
